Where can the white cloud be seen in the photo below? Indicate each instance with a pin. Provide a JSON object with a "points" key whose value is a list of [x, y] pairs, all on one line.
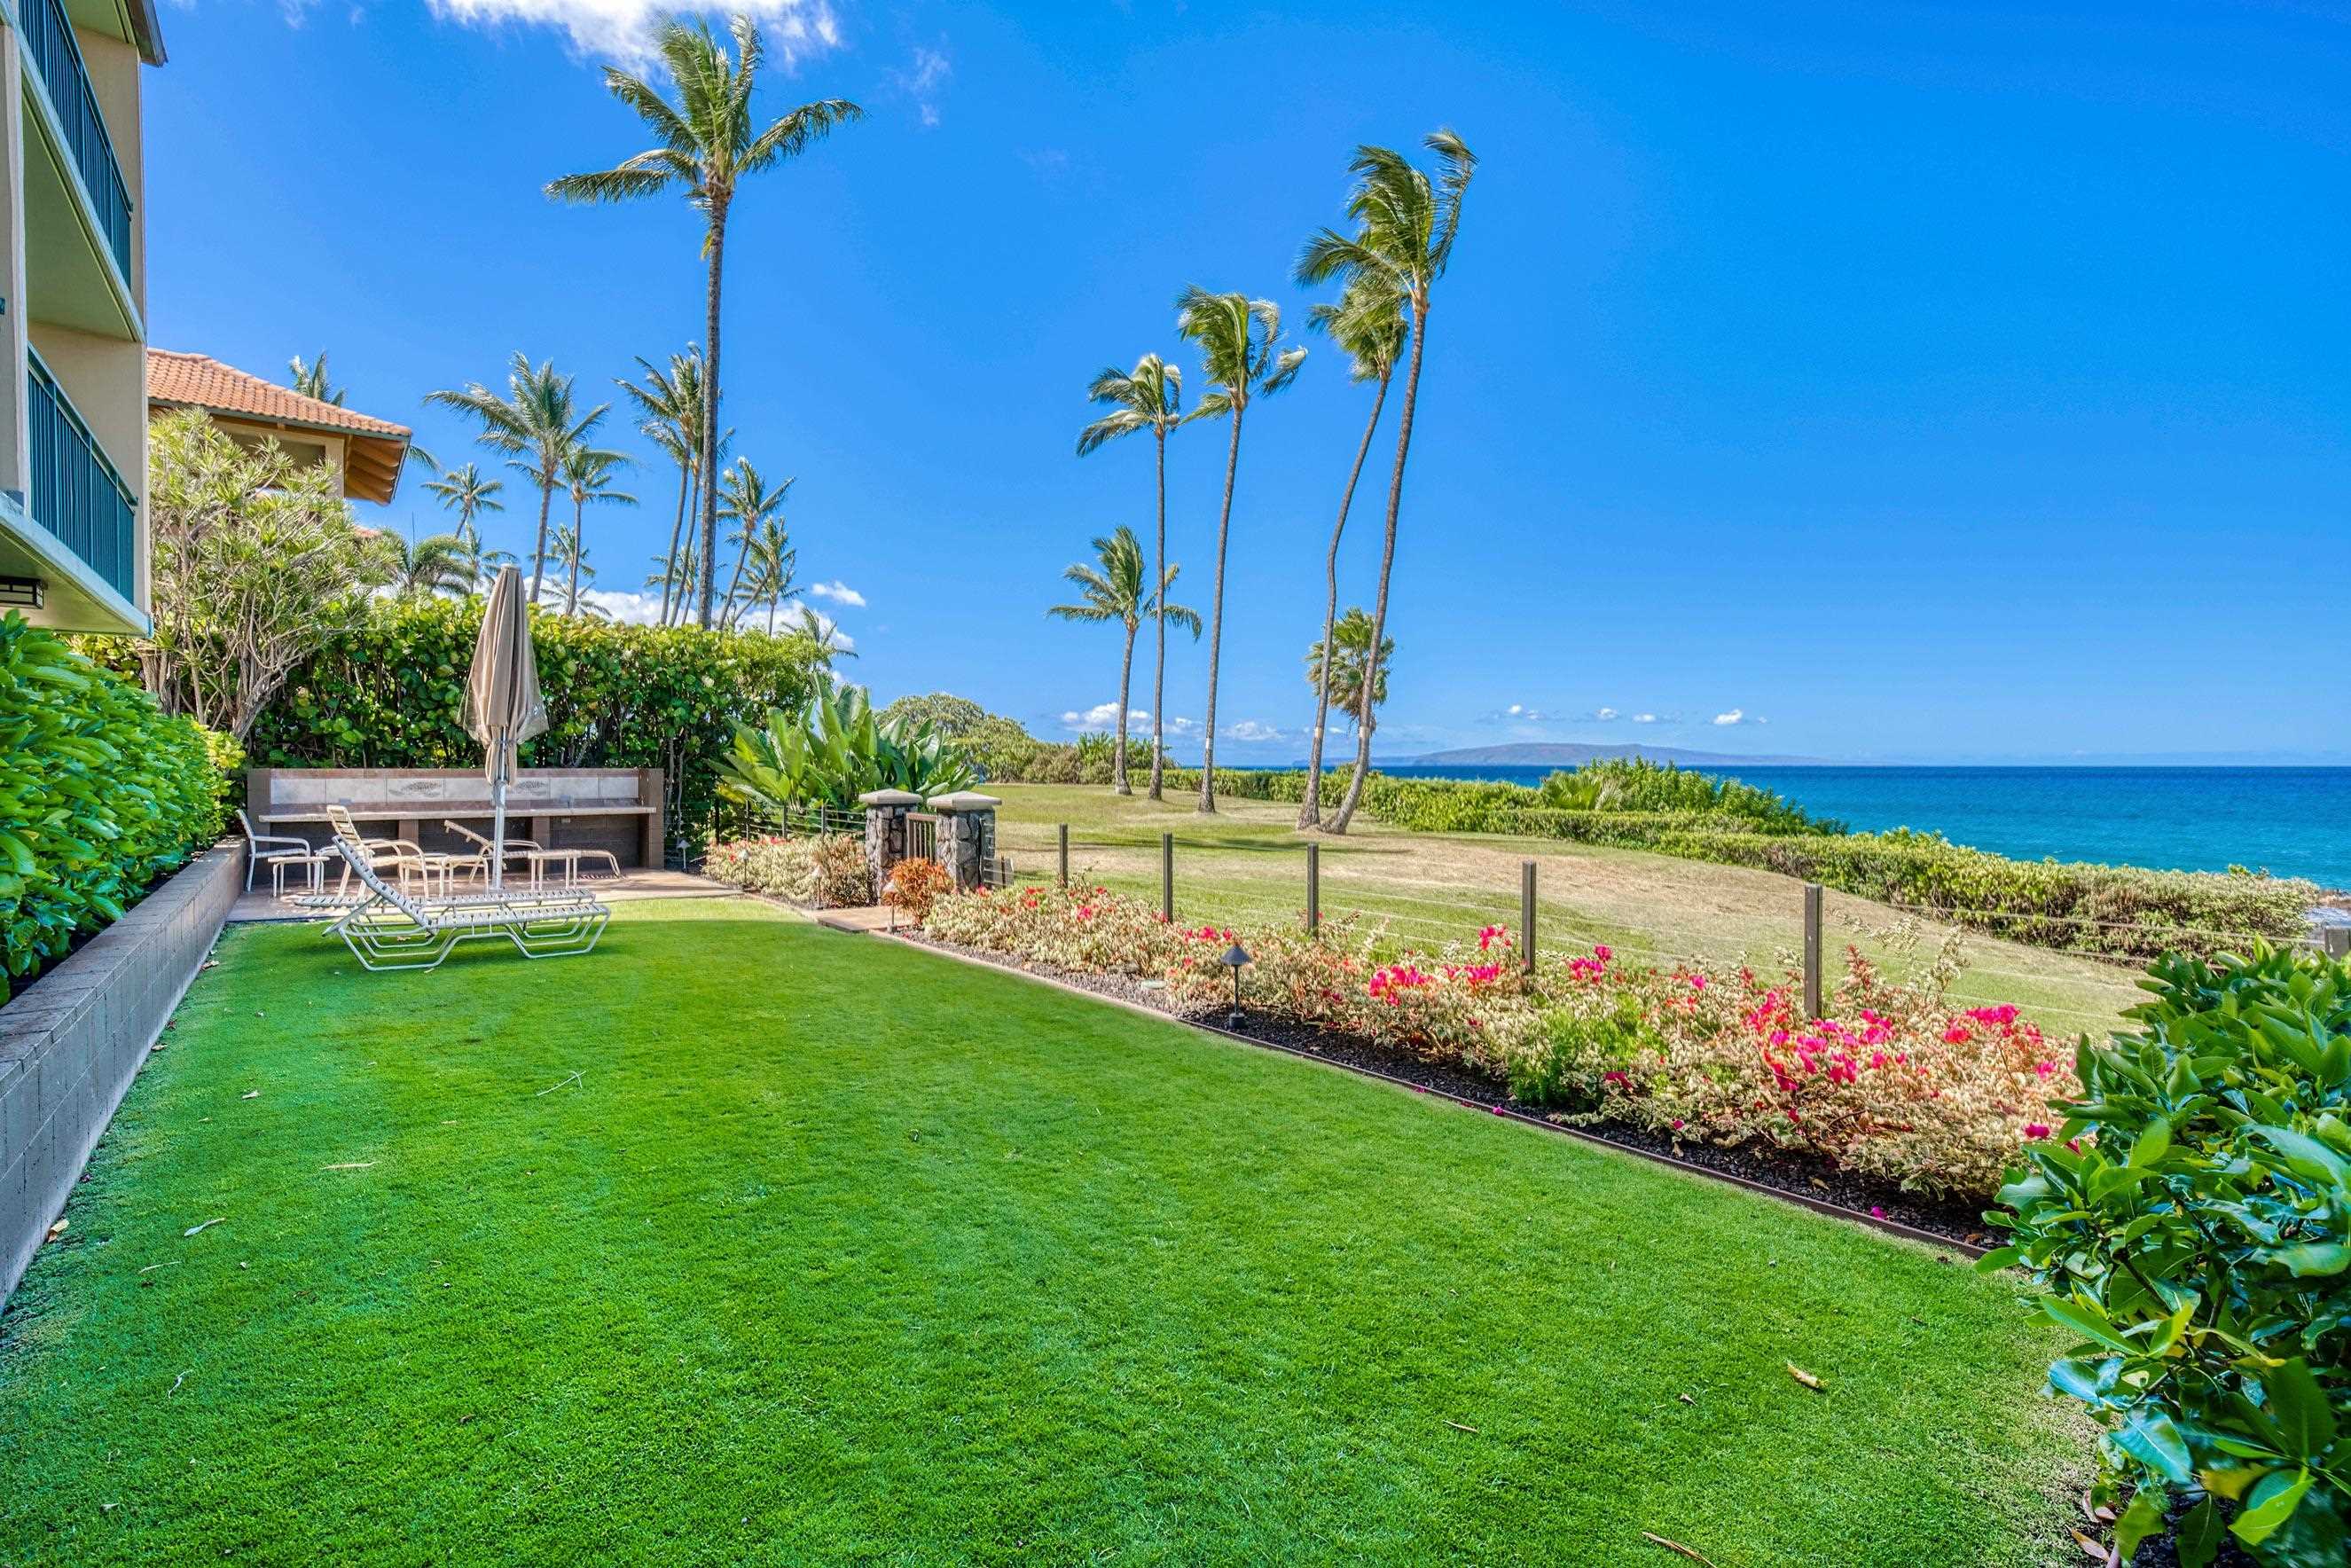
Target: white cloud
{"points": [[624, 605], [839, 592], [792, 30], [1645, 718], [926, 71], [1736, 715], [1605, 714], [1105, 716], [1249, 729]]}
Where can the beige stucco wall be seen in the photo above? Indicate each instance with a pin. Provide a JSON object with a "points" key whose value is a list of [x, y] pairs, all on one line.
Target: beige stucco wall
{"points": [[114, 67]]}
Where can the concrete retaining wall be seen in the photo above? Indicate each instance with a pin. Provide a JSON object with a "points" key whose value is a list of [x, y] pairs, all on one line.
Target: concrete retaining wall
{"points": [[71, 1042]]}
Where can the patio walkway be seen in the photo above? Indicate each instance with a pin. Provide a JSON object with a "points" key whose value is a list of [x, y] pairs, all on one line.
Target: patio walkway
{"points": [[258, 906]]}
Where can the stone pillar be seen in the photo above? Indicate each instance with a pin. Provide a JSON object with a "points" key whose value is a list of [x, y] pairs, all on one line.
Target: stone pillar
{"points": [[885, 830], [967, 835]]}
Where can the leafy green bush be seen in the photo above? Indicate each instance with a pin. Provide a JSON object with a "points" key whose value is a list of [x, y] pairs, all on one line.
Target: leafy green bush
{"points": [[836, 749], [388, 693], [101, 793], [2192, 1221], [828, 871], [998, 747]]}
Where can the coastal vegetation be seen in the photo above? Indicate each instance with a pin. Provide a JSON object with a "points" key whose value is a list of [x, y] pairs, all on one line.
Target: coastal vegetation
{"points": [[1114, 590], [832, 749]]}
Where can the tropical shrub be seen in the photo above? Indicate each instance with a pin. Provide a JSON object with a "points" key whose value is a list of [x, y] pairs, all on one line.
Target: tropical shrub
{"points": [[915, 886], [2192, 1223], [1000, 748], [100, 794], [835, 749], [389, 691], [828, 871]]}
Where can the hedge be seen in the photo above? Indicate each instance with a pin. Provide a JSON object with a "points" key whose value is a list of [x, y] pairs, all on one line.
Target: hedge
{"points": [[100, 795], [390, 694], [2124, 911]]}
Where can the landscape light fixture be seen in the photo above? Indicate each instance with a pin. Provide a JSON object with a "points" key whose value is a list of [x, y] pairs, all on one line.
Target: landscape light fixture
{"points": [[20, 593], [1235, 957]]}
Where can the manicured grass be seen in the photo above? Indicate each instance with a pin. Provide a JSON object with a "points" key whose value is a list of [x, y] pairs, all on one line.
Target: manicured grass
{"points": [[837, 1250], [1248, 863]]}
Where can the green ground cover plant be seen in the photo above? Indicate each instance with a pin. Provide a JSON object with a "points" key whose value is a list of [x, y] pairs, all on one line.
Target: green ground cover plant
{"points": [[2192, 1218], [100, 794], [746, 1241]]}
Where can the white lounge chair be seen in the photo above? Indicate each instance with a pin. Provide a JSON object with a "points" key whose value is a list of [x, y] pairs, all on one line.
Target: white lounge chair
{"points": [[389, 930], [529, 851], [402, 855], [278, 851]]}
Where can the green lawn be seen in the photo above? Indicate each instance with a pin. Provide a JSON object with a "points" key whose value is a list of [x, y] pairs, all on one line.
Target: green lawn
{"points": [[1248, 863], [746, 1240]]}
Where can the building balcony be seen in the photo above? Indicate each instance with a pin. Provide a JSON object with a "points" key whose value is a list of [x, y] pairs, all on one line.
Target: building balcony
{"points": [[76, 495], [54, 54]]}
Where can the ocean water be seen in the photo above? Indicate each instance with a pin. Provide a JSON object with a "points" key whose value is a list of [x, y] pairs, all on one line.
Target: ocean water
{"points": [[2293, 822]]}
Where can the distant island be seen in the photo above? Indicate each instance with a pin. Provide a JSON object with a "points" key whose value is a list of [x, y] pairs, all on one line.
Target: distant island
{"points": [[1568, 754]]}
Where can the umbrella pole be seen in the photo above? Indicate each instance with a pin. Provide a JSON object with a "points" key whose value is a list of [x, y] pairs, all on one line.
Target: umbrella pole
{"points": [[498, 820]]}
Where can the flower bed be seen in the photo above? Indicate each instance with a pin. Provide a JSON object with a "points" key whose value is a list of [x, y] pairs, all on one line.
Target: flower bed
{"points": [[1898, 1085], [825, 870]]}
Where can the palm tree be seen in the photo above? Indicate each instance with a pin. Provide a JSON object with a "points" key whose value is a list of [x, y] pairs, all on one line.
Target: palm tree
{"points": [[1113, 590], [431, 564], [1405, 226], [467, 492], [1148, 397], [670, 406], [1241, 353], [705, 142], [1335, 666], [823, 637], [773, 565], [750, 504], [676, 572], [1368, 323], [572, 556], [481, 565], [311, 380], [588, 474], [536, 424]]}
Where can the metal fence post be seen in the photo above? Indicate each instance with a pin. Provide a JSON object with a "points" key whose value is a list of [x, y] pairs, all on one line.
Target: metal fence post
{"points": [[1065, 853], [1167, 877], [1527, 915], [1811, 950], [1314, 887], [2337, 940]]}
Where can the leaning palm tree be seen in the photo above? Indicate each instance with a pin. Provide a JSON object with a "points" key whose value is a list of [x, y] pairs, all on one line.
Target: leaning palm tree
{"points": [[1368, 323], [825, 642], [1113, 589], [1336, 666], [468, 491], [1148, 397], [773, 564], [588, 474], [670, 409], [750, 503], [1406, 224], [432, 564], [705, 142], [311, 379], [535, 424], [1241, 353]]}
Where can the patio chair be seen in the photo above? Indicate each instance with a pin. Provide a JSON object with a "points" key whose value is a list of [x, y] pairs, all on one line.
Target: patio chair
{"points": [[402, 855], [390, 930], [529, 851], [278, 851]]}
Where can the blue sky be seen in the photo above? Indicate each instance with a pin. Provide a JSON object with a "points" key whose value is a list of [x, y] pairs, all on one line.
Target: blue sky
{"points": [[1898, 382]]}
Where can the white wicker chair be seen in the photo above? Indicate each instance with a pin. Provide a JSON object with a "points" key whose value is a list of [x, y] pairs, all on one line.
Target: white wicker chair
{"points": [[262, 847], [389, 930]]}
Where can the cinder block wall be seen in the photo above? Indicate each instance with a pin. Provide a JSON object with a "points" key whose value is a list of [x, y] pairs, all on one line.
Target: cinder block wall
{"points": [[70, 1043]]}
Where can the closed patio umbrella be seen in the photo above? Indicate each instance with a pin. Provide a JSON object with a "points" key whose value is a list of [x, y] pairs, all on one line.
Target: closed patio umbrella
{"points": [[503, 707]]}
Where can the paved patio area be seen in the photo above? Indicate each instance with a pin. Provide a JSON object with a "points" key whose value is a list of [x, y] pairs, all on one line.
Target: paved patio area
{"points": [[261, 905]]}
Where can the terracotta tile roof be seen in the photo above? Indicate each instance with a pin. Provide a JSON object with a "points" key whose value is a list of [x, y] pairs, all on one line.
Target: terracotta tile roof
{"points": [[201, 382]]}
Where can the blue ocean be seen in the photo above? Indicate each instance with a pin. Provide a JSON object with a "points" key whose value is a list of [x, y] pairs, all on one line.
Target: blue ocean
{"points": [[2293, 822]]}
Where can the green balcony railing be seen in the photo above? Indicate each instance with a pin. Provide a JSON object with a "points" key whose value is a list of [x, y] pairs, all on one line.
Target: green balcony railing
{"points": [[57, 55], [77, 494]]}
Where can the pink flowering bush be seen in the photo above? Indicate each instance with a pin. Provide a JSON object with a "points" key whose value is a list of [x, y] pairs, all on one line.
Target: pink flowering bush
{"points": [[828, 871], [1088, 930], [1895, 1083]]}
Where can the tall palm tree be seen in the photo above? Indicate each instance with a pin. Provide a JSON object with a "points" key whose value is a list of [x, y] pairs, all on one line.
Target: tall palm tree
{"points": [[823, 637], [1241, 353], [1148, 397], [1113, 589], [588, 474], [311, 379], [430, 565], [1406, 224], [535, 424], [481, 564], [674, 572], [705, 142], [1368, 323], [468, 491], [750, 503], [670, 409], [773, 563], [1335, 666], [572, 556]]}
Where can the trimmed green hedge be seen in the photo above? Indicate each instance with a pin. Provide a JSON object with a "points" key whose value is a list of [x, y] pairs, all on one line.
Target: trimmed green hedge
{"points": [[100, 794], [2120, 910], [390, 694]]}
